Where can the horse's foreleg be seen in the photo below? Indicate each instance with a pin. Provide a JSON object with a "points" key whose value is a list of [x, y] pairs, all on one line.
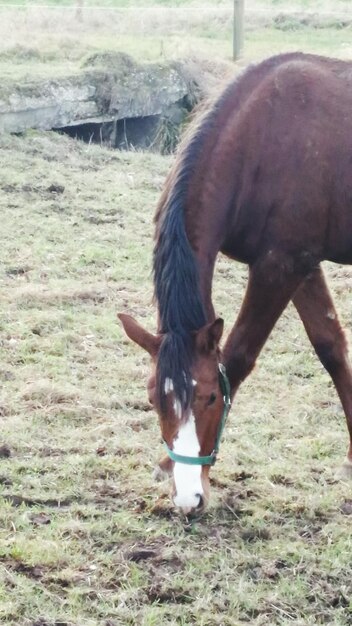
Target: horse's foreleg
{"points": [[271, 285], [317, 312]]}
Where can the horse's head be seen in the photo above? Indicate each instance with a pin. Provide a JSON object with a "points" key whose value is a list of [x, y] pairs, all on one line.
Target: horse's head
{"points": [[192, 408]]}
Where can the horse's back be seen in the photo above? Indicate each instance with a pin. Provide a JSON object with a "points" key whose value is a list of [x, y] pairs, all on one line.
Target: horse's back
{"points": [[275, 167]]}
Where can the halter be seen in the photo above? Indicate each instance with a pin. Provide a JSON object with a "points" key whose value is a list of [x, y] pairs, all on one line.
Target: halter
{"points": [[211, 458]]}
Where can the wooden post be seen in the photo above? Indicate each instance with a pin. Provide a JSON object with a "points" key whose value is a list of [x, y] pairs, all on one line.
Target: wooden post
{"points": [[238, 28]]}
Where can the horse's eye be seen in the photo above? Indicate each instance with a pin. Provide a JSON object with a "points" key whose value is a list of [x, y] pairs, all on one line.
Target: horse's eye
{"points": [[212, 399]]}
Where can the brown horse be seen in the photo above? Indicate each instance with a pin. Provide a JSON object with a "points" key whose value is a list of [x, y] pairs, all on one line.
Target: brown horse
{"points": [[265, 178]]}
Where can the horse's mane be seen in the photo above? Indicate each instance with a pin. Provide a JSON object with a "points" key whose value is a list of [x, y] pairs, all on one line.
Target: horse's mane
{"points": [[176, 284]]}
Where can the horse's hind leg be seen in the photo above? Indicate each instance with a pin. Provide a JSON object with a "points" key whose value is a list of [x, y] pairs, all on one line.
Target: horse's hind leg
{"points": [[317, 312]]}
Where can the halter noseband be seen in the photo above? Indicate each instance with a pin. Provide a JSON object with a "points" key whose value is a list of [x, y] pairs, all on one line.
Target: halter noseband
{"points": [[211, 458]]}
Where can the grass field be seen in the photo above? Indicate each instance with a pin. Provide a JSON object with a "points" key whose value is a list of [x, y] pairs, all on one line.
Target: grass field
{"points": [[42, 42], [86, 537]]}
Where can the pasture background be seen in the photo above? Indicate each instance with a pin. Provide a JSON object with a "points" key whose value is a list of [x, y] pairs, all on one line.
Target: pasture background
{"points": [[86, 537]]}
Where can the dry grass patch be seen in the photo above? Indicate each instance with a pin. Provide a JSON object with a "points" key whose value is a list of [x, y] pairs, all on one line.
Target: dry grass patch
{"points": [[86, 537], [43, 393], [35, 295]]}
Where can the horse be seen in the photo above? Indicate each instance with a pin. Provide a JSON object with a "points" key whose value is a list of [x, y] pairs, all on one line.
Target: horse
{"points": [[265, 177]]}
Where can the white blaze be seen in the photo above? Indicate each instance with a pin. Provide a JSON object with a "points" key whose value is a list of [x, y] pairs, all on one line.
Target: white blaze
{"points": [[187, 478], [178, 408], [168, 388], [169, 385]]}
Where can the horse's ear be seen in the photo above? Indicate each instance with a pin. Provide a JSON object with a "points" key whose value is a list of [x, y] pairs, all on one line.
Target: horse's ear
{"points": [[208, 337], [147, 341]]}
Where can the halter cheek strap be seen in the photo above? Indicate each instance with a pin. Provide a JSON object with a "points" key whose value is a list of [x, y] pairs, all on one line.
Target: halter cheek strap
{"points": [[210, 458]]}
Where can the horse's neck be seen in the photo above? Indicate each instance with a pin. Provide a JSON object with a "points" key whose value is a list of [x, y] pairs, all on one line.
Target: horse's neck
{"points": [[205, 272]]}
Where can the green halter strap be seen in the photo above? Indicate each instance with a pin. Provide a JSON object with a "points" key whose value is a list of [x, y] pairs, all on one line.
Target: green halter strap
{"points": [[211, 458]]}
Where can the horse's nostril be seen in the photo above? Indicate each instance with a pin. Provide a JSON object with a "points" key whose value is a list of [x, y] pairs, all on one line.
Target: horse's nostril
{"points": [[200, 503]]}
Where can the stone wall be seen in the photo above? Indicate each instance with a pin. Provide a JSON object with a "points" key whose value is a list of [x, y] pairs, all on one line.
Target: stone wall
{"points": [[109, 88]]}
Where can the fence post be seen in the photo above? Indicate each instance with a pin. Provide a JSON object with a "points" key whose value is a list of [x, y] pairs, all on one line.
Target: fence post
{"points": [[238, 15], [79, 10]]}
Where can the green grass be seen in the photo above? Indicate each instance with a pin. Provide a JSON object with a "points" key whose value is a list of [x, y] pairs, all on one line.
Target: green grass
{"points": [[86, 538], [51, 43], [58, 59]]}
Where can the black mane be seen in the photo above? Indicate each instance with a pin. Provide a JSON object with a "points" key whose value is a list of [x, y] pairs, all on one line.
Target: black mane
{"points": [[176, 283]]}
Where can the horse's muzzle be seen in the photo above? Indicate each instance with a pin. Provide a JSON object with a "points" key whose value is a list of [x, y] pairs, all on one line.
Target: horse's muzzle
{"points": [[197, 510]]}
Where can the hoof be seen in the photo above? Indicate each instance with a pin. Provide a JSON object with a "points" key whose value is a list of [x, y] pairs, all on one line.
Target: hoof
{"points": [[345, 471]]}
